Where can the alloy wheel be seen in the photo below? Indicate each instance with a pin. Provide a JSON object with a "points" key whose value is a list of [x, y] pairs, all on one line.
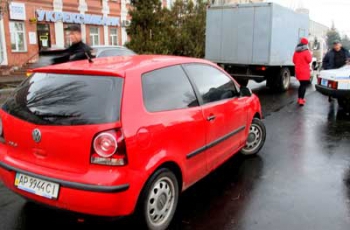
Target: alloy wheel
{"points": [[161, 201], [255, 138]]}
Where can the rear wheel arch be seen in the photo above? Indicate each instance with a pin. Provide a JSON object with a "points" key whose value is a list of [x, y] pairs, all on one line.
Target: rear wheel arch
{"points": [[169, 169], [170, 165], [175, 168], [257, 115]]}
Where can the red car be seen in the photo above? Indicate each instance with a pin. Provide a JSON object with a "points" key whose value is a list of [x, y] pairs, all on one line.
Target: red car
{"points": [[124, 134]]}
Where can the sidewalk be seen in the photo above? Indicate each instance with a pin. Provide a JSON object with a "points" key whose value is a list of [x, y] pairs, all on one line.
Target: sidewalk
{"points": [[11, 79], [7, 85]]}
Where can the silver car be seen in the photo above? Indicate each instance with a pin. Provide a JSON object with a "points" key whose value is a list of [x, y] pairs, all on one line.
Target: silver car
{"points": [[111, 51]]}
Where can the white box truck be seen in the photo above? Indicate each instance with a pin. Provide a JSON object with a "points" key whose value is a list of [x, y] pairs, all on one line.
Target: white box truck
{"points": [[255, 41]]}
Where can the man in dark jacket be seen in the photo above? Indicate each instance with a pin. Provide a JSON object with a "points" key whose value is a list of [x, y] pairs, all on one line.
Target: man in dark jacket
{"points": [[337, 57], [77, 51]]}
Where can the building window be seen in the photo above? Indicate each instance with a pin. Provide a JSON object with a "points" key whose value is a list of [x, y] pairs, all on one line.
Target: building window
{"points": [[94, 36], [113, 37], [18, 39]]}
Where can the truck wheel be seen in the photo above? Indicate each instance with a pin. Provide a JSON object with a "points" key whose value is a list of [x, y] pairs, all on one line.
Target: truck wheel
{"points": [[159, 199], [283, 80], [243, 82], [344, 103], [256, 138]]}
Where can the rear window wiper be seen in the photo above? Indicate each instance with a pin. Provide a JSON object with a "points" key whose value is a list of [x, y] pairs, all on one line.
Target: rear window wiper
{"points": [[53, 115]]}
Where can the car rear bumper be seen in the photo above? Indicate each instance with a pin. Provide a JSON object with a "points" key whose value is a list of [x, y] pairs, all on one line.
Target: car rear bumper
{"points": [[91, 199], [257, 78], [332, 92], [70, 184]]}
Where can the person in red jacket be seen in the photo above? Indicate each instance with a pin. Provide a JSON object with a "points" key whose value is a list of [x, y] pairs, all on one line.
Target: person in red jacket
{"points": [[302, 59]]}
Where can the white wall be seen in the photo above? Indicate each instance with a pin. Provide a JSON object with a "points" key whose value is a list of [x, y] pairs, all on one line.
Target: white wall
{"points": [[58, 6], [124, 14], [105, 12], [3, 44], [82, 9]]}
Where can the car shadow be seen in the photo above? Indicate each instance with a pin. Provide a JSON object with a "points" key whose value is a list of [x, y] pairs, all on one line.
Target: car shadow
{"points": [[229, 185], [223, 194], [347, 187], [336, 113]]}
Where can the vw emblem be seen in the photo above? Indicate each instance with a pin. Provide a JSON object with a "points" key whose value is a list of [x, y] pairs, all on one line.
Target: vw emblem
{"points": [[36, 134]]}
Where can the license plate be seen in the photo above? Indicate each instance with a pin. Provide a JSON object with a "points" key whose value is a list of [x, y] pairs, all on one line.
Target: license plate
{"points": [[37, 186], [324, 82]]}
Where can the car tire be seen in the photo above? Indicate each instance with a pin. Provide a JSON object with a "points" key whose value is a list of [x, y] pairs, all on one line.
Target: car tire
{"points": [[345, 104], [283, 80], [256, 138], [159, 199]]}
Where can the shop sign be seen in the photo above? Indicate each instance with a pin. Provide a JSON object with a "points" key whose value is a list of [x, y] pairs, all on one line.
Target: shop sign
{"points": [[17, 11], [68, 17]]}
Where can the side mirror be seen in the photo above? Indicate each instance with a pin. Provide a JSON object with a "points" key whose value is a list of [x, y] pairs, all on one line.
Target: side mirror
{"points": [[245, 92]]}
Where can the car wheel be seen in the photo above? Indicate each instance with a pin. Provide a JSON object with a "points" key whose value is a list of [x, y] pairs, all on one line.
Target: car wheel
{"points": [[344, 103], [256, 138], [159, 200]]}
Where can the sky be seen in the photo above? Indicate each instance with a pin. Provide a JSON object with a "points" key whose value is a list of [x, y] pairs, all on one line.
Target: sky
{"points": [[324, 11]]}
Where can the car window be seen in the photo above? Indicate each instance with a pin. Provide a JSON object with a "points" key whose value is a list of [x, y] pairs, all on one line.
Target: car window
{"points": [[61, 99], [167, 89], [115, 52], [212, 84]]}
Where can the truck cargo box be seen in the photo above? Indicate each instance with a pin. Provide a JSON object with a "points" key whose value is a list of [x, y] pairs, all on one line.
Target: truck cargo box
{"points": [[254, 34]]}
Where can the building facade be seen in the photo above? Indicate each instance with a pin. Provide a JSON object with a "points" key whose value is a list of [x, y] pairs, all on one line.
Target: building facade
{"points": [[318, 30], [224, 2], [30, 26]]}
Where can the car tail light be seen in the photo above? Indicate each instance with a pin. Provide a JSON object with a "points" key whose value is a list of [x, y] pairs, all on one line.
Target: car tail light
{"points": [[333, 84], [108, 148]]}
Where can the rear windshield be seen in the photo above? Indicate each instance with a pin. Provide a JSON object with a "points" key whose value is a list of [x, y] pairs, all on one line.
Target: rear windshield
{"points": [[57, 99]]}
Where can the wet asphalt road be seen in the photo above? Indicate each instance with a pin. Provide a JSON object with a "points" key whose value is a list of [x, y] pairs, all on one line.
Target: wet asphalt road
{"points": [[300, 180]]}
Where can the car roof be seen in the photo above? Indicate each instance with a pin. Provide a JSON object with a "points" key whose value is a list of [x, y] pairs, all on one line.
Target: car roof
{"points": [[118, 66]]}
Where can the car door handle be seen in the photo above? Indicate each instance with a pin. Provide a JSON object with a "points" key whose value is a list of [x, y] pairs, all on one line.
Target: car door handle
{"points": [[211, 118]]}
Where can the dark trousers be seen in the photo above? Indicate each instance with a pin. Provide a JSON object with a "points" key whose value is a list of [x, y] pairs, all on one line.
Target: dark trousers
{"points": [[302, 88]]}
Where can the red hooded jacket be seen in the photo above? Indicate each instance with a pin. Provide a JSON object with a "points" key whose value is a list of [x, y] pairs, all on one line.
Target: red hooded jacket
{"points": [[302, 59]]}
